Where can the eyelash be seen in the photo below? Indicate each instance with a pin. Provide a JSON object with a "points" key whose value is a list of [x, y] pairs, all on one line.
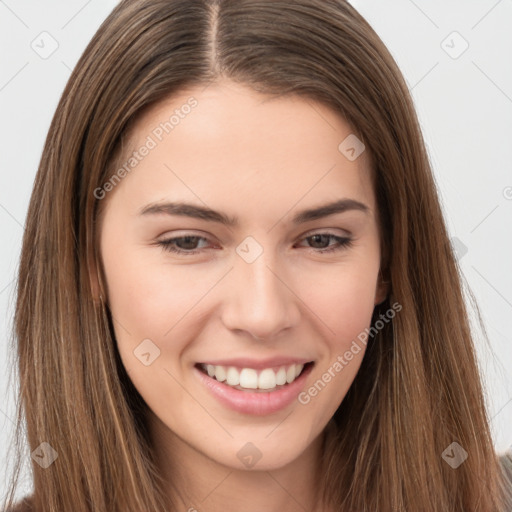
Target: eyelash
{"points": [[167, 245]]}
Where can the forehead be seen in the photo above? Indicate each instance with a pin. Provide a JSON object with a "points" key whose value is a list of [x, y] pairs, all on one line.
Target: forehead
{"points": [[226, 143]]}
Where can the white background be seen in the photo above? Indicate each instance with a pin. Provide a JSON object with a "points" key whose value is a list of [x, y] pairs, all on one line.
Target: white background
{"points": [[465, 109]]}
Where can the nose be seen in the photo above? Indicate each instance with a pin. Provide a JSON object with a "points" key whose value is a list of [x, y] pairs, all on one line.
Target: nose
{"points": [[260, 299]]}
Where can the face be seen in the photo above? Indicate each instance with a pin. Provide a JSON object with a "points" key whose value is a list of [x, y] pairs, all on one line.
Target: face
{"points": [[235, 296]]}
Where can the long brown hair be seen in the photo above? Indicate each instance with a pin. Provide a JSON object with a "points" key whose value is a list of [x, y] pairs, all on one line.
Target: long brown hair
{"points": [[418, 389]]}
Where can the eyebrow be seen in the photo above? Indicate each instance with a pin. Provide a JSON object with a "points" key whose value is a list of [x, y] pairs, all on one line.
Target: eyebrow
{"points": [[203, 213]]}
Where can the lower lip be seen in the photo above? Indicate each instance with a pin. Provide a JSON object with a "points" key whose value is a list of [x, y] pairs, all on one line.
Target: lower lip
{"points": [[255, 403]]}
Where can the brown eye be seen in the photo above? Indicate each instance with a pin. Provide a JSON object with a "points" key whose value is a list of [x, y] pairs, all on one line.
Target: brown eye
{"points": [[320, 242], [182, 245]]}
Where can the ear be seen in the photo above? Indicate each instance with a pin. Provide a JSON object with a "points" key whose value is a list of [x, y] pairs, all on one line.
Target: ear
{"points": [[382, 289]]}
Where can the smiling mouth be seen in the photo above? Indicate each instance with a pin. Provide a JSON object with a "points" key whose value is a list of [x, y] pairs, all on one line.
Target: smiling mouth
{"points": [[250, 379]]}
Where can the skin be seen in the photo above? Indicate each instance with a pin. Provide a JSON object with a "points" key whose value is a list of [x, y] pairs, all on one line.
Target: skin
{"points": [[262, 159]]}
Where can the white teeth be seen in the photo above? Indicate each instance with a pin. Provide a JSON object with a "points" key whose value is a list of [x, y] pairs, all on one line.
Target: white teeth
{"points": [[290, 374], [220, 373], [233, 376], [249, 378], [267, 379], [281, 376]]}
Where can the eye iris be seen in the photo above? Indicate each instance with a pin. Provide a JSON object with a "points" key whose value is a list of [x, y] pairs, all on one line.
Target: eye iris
{"points": [[316, 238], [187, 241]]}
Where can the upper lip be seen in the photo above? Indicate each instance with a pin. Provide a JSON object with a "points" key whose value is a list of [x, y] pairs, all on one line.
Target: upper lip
{"points": [[246, 362]]}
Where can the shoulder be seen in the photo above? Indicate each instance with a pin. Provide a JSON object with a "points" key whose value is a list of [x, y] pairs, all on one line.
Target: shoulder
{"points": [[506, 464], [25, 505]]}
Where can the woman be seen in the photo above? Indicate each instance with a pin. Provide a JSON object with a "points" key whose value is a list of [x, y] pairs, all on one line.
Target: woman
{"points": [[186, 337]]}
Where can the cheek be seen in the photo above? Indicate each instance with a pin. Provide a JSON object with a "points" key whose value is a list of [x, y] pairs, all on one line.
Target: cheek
{"points": [[343, 299], [159, 303], [344, 303], [148, 311], [354, 308], [148, 298]]}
